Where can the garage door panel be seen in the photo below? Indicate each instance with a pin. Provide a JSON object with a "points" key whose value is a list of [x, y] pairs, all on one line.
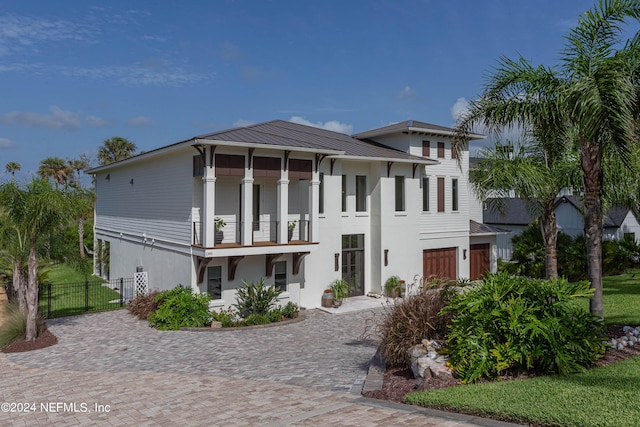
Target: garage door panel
{"points": [[480, 260], [440, 263]]}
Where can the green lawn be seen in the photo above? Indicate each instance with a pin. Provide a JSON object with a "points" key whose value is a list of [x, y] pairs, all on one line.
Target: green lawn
{"points": [[606, 396], [70, 296]]}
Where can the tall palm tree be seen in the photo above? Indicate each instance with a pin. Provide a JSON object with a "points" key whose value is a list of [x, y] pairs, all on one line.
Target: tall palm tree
{"points": [[78, 165], [82, 202], [115, 149], [56, 169], [11, 168], [593, 95], [34, 210]]}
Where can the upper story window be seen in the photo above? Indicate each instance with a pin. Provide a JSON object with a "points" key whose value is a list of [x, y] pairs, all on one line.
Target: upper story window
{"points": [[426, 148], [454, 194], [361, 193], [440, 194], [425, 194], [400, 199], [454, 152], [344, 193], [198, 165], [441, 150]]}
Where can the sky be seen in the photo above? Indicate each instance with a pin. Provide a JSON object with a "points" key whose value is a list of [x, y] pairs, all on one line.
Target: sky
{"points": [[74, 73]]}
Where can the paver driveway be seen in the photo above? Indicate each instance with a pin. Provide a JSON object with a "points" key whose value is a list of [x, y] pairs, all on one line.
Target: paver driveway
{"points": [[111, 369]]}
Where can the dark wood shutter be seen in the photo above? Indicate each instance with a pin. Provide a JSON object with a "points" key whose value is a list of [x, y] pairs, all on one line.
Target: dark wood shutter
{"points": [[299, 168], [229, 165], [440, 194], [426, 148], [441, 150], [266, 167]]}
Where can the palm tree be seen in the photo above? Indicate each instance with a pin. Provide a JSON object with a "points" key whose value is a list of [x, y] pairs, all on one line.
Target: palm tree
{"points": [[535, 177], [82, 202], [78, 165], [11, 168], [115, 149], [56, 169], [34, 210], [13, 259], [593, 96]]}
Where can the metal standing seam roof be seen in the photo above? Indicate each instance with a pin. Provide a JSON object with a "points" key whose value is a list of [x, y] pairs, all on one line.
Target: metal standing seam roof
{"points": [[282, 133], [479, 228], [411, 125]]}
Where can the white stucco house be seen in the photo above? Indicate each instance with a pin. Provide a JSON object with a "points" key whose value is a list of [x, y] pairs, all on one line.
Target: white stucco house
{"points": [[515, 217], [297, 205]]}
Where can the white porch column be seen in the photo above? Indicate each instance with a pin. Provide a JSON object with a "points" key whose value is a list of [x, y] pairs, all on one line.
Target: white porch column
{"points": [[246, 235], [207, 217], [283, 207], [314, 207]]}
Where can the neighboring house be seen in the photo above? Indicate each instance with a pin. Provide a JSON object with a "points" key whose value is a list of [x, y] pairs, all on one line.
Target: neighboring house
{"points": [[619, 221], [297, 205]]}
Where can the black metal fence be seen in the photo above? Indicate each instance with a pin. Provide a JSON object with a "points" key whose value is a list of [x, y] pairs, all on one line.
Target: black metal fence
{"points": [[68, 299]]}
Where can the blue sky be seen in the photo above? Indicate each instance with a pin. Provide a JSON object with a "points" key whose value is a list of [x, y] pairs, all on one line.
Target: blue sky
{"points": [[73, 73]]}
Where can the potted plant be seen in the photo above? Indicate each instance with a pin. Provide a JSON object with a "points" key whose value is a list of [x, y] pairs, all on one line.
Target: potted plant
{"points": [[219, 224], [292, 226], [340, 289], [393, 287]]}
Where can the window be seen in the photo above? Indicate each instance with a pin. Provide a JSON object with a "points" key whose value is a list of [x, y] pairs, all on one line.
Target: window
{"points": [[454, 152], [256, 207], [361, 193], [198, 166], [321, 195], [214, 282], [440, 194], [399, 193], [454, 194], [281, 275], [344, 193], [441, 150], [425, 194], [426, 148], [629, 236]]}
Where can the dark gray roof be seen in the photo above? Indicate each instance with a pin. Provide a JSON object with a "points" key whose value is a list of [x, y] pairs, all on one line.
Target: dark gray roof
{"points": [[410, 125], [478, 228], [515, 212], [287, 134]]}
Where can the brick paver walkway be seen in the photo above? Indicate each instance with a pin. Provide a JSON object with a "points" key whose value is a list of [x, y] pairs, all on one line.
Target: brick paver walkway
{"points": [[110, 369]]}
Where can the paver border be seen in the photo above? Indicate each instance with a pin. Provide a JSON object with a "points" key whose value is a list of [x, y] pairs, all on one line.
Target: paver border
{"points": [[301, 316]]}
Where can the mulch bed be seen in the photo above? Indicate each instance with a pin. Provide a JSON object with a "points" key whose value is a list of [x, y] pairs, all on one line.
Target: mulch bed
{"points": [[45, 339], [398, 382]]}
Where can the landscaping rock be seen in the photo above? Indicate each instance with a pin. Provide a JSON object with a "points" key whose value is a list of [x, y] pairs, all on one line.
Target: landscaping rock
{"points": [[426, 362], [216, 325]]}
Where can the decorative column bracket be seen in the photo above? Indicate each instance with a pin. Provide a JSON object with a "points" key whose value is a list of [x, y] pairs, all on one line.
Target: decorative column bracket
{"points": [[233, 264], [271, 260], [297, 260]]}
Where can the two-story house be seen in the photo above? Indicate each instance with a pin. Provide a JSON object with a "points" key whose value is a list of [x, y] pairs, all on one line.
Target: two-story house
{"points": [[297, 205]]}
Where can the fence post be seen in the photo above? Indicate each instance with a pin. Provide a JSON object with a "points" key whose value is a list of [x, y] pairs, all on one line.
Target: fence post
{"points": [[121, 292], [86, 295], [48, 300]]}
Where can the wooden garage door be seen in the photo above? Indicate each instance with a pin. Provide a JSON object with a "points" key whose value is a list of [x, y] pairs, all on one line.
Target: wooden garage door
{"points": [[480, 260], [439, 263]]}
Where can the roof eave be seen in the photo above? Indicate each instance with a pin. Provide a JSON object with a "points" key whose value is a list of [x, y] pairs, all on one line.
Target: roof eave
{"points": [[387, 159], [329, 152]]}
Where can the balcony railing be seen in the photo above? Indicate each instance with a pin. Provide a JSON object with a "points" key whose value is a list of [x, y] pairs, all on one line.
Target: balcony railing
{"points": [[262, 231]]}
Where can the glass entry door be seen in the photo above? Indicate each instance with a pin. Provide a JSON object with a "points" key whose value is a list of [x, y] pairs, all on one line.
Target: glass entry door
{"points": [[353, 263]]}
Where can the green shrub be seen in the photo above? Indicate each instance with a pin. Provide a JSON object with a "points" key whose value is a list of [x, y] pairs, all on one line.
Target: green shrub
{"points": [[180, 307], [290, 310], [143, 305], [258, 319], [256, 298], [412, 319], [14, 325], [511, 324], [619, 255], [226, 317]]}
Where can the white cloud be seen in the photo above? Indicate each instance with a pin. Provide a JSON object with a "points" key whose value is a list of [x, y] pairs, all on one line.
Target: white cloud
{"points": [[458, 109], [19, 34], [140, 121], [332, 125], [6, 143], [243, 123], [58, 119], [95, 121]]}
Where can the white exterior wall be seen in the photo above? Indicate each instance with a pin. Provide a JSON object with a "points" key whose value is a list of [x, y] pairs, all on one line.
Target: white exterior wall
{"points": [[503, 241], [629, 225], [157, 204]]}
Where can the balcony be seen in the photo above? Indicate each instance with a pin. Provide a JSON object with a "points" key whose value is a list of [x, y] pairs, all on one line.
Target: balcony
{"points": [[264, 233]]}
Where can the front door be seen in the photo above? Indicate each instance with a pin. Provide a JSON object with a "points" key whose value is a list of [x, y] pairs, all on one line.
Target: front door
{"points": [[353, 263], [480, 260]]}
